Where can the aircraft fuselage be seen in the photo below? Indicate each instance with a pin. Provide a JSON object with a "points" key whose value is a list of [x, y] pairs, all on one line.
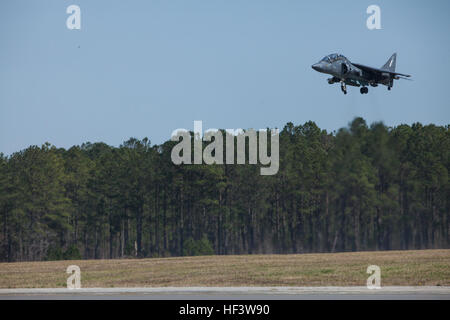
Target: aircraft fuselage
{"points": [[357, 75]]}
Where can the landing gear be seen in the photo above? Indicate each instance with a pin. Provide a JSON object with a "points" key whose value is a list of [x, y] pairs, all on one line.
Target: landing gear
{"points": [[343, 87], [364, 90], [389, 88]]}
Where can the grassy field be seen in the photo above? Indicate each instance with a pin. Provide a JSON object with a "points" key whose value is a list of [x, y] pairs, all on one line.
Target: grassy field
{"points": [[415, 268]]}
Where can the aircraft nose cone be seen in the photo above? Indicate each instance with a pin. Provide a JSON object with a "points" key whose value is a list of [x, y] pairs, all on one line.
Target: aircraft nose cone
{"points": [[316, 67]]}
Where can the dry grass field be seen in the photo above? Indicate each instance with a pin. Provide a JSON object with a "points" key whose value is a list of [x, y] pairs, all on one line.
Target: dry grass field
{"points": [[411, 268]]}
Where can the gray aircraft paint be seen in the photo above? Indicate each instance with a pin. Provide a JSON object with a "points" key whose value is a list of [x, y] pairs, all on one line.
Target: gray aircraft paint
{"points": [[357, 75]]}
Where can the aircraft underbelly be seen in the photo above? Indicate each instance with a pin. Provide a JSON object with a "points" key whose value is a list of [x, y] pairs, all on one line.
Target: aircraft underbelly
{"points": [[365, 81]]}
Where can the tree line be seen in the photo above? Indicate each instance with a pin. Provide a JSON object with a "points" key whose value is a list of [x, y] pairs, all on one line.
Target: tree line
{"points": [[360, 188]]}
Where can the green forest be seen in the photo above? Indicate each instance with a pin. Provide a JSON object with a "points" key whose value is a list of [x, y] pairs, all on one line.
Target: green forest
{"points": [[364, 187]]}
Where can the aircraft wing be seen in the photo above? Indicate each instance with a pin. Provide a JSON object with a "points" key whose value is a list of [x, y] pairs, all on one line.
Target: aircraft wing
{"points": [[376, 70]]}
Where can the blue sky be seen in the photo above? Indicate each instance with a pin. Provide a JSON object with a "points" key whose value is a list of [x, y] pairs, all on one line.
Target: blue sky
{"points": [[144, 68]]}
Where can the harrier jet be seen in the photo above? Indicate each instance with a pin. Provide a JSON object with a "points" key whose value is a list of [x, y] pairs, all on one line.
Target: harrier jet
{"points": [[358, 75]]}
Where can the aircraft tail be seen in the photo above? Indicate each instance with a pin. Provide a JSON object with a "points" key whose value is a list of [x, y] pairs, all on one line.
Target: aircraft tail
{"points": [[390, 64]]}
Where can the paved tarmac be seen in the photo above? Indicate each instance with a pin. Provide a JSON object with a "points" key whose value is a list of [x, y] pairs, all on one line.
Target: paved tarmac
{"points": [[230, 293]]}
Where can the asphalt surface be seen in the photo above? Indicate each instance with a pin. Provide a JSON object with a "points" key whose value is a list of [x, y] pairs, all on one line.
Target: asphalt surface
{"points": [[230, 293], [231, 297]]}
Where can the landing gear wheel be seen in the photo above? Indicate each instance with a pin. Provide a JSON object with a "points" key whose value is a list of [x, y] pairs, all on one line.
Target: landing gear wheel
{"points": [[343, 87], [389, 88], [364, 90]]}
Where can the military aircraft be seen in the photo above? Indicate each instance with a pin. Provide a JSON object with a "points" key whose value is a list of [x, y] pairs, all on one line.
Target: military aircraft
{"points": [[358, 75]]}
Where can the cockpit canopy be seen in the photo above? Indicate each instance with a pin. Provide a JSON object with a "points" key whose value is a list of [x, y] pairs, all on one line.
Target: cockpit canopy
{"points": [[333, 57]]}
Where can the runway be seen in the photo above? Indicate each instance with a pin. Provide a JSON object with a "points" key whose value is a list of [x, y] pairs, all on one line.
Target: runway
{"points": [[230, 293]]}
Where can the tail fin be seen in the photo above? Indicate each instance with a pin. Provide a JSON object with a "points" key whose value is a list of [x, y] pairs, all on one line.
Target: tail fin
{"points": [[390, 64]]}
